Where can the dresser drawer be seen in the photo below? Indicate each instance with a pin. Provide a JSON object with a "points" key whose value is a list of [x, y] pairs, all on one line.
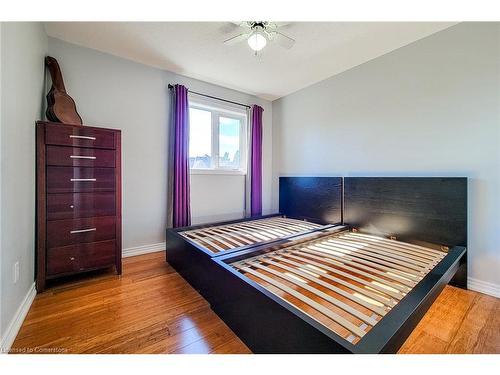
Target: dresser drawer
{"points": [[80, 179], [80, 157], [81, 257], [75, 231], [80, 205], [79, 136]]}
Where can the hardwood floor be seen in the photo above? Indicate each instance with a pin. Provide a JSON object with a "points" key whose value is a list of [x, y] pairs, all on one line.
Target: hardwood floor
{"points": [[151, 309]]}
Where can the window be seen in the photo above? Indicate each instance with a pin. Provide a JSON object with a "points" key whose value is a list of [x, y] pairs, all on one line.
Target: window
{"points": [[217, 138]]}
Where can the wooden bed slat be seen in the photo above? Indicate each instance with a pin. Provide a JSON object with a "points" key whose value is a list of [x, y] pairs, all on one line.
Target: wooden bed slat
{"points": [[217, 237], [400, 290], [380, 311], [257, 236], [375, 262], [299, 223], [316, 291], [424, 250], [269, 227], [373, 247], [317, 306], [258, 228], [205, 240], [235, 235], [386, 300], [407, 265], [232, 233], [379, 244], [407, 282], [229, 236], [275, 224]]}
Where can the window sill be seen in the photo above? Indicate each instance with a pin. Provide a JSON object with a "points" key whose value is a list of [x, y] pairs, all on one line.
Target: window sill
{"points": [[217, 172]]}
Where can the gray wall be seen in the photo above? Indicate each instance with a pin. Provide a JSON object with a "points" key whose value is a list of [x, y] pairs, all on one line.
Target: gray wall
{"points": [[428, 109], [24, 46], [117, 93], [109, 92]]}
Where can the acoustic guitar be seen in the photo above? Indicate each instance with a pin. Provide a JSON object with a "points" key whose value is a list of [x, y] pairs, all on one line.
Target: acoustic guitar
{"points": [[61, 107]]}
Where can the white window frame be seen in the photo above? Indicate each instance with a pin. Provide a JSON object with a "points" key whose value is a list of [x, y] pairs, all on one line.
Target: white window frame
{"points": [[218, 110]]}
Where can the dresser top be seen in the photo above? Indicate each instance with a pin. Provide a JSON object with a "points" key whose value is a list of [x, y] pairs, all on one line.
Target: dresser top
{"points": [[60, 124]]}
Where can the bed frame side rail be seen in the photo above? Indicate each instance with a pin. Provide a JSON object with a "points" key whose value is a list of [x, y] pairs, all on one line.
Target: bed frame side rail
{"points": [[392, 331]]}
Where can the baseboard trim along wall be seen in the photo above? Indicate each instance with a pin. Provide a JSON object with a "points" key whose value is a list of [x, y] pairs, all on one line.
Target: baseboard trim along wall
{"points": [[144, 249], [17, 321], [483, 287]]}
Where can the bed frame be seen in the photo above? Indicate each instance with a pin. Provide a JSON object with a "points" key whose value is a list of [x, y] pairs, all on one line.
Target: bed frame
{"points": [[359, 285]]}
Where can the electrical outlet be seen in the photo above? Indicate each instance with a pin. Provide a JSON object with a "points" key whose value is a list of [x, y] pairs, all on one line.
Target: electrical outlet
{"points": [[15, 273]]}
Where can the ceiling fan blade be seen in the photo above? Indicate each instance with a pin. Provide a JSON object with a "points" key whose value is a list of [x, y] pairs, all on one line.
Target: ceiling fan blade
{"points": [[283, 40], [229, 28], [236, 39], [240, 23], [276, 25]]}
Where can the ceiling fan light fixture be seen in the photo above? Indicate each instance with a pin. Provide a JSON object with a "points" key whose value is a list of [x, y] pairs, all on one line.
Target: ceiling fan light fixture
{"points": [[257, 41]]}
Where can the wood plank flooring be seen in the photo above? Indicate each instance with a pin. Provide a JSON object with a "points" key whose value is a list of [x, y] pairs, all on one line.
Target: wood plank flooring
{"points": [[151, 309]]}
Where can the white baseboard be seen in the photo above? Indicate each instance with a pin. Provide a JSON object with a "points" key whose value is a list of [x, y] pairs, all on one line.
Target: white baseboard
{"points": [[17, 321], [483, 287], [145, 249]]}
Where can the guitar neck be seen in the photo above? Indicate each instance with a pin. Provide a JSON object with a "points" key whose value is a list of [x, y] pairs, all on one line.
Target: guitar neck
{"points": [[55, 73]]}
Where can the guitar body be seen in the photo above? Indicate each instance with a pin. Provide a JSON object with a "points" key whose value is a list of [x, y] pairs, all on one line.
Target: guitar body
{"points": [[60, 106]]}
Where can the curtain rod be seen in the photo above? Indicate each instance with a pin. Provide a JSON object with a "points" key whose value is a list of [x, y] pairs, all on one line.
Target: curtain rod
{"points": [[213, 97]]}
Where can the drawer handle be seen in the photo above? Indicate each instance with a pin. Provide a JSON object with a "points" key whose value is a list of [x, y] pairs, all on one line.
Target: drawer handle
{"points": [[82, 157], [83, 179], [71, 258], [83, 230], [82, 137]]}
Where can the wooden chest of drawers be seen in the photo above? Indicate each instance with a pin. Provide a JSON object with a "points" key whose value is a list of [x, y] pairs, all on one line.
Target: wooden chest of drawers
{"points": [[78, 225]]}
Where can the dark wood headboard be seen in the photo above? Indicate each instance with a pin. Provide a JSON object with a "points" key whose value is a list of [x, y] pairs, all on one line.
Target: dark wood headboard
{"points": [[430, 209], [312, 198], [426, 209]]}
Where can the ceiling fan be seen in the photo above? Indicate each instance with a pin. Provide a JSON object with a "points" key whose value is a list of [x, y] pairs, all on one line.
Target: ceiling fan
{"points": [[258, 33]]}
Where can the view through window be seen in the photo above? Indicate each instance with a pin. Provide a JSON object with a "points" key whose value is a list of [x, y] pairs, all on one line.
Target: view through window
{"points": [[217, 139]]}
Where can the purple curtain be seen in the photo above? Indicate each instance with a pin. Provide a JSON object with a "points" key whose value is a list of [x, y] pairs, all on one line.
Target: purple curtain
{"points": [[181, 211], [256, 161]]}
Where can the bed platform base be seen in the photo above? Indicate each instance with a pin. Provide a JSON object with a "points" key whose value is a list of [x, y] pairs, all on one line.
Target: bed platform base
{"points": [[332, 305]]}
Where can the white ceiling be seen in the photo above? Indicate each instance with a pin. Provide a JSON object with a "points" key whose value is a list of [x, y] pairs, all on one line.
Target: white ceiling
{"points": [[195, 49]]}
